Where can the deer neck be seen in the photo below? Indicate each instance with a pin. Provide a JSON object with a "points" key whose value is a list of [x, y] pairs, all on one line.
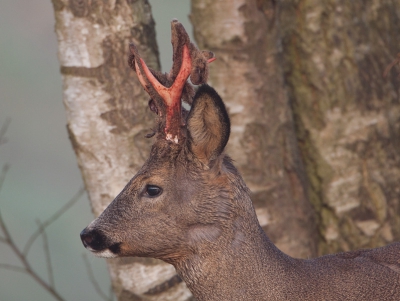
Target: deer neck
{"points": [[230, 268]]}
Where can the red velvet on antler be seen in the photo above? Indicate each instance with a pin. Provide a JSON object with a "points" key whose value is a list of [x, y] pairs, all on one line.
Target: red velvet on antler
{"points": [[167, 90], [172, 95]]}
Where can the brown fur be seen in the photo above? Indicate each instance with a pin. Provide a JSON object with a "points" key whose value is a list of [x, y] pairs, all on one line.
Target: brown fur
{"points": [[207, 135], [203, 222], [205, 225]]}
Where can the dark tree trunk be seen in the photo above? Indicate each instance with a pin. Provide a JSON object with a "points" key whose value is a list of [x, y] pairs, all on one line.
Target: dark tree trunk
{"points": [[347, 116]]}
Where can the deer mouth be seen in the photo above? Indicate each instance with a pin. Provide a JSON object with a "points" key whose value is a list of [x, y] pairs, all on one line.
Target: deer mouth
{"points": [[97, 243]]}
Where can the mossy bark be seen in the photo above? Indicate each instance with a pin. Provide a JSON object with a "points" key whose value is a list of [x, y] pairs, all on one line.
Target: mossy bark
{"points": [[347, 116], [108, 118]]}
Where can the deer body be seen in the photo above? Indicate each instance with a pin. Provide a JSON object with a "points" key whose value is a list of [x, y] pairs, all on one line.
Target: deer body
{"points": [[190, 207]]}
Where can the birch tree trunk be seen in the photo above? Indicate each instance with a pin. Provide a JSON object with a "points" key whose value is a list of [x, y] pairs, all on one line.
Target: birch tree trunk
{"points": [[320, 61], [246, 38], [108, 119], [347, 116]]}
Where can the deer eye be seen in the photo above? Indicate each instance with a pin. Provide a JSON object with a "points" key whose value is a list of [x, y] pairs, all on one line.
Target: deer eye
{"points": [[153, 191]]}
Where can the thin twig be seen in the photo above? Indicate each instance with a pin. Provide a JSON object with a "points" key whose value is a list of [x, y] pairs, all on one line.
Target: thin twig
{"points": [[7, 239], [25, 262], [12, 267], [6, 167], [391, 65], [4, 170], [93, 279], [46, 254], [54, 217], [3, 130]]}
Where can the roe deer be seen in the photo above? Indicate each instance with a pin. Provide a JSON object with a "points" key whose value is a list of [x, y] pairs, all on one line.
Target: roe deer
{"points": [[189, 206]]}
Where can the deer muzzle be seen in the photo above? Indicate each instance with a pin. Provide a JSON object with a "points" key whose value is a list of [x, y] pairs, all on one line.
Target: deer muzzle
{"points": [[98, 243]]}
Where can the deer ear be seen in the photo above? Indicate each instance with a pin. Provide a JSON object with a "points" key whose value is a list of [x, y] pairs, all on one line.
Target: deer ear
{"points": [[208, 125]]}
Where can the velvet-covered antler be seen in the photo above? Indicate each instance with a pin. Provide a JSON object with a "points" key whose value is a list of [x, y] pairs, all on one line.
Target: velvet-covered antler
{"points": [[167, 90]]}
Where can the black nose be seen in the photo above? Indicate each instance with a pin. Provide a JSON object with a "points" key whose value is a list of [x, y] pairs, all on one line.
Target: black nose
{"points": [[93, 239]]}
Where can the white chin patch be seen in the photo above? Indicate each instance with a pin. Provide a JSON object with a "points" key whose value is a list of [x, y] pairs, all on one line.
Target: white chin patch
{"points": [[104, 254]]}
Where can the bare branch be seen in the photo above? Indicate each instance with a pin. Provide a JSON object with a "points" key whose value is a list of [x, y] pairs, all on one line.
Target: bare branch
{"points": [[4, 229], [3, 130], [391, 65], [4, 170], [54, 217], [8, 240], [94, 281], [47, 254], [25, 262], [12, 267]]}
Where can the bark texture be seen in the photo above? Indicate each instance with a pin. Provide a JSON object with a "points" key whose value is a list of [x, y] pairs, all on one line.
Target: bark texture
{"points": [[245, 36], [347, 116], [108, 118]]}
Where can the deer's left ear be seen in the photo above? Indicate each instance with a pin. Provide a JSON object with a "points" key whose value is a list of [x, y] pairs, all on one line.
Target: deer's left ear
{"points": [[208, 125]]}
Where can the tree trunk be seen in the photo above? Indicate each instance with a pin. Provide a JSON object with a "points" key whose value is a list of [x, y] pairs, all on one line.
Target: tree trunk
{"points": [[320, 61], [108, 119], [347, 116], [248, 75]]}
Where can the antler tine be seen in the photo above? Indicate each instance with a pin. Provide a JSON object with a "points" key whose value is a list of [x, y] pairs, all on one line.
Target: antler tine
{"points": [[167, 90], [171, 97], [172, 94]]}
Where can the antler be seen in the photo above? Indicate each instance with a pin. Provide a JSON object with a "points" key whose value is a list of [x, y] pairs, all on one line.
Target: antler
{"points": [[167, 90]]}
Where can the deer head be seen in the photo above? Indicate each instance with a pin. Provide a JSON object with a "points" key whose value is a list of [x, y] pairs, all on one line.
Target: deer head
{"points": [[183, 195]]}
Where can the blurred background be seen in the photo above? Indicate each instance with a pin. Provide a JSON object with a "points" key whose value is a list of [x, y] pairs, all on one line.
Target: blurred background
{"points": [[43, 174]]}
